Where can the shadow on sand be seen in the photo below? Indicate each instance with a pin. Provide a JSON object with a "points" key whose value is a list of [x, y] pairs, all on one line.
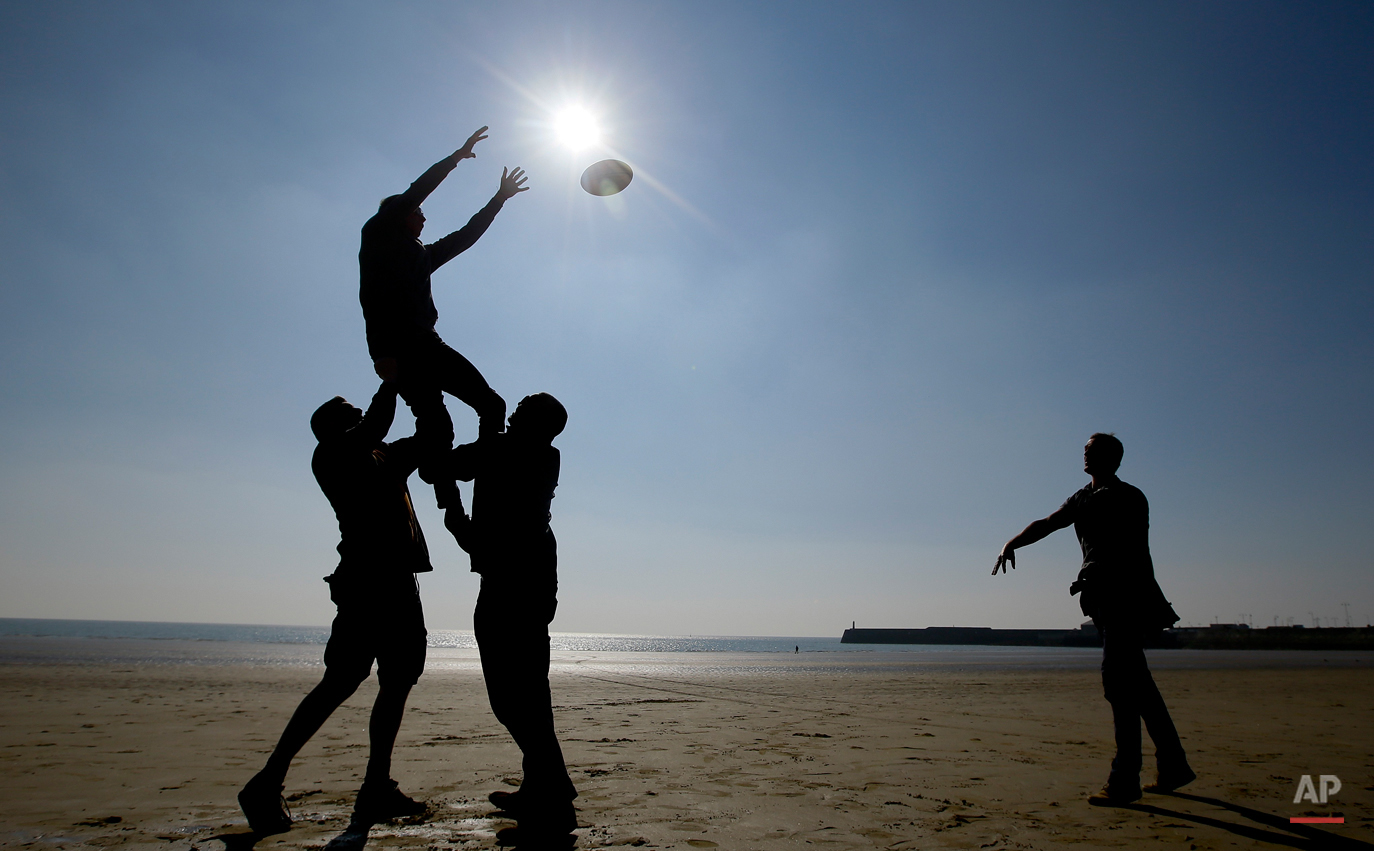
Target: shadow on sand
{"points": [[354, 838], [238, 841], [1295, 835], [509, 837]]}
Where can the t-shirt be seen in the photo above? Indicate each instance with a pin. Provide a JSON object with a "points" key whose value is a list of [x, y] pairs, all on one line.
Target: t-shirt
{"points": [[365, 481], [1112, 522], [513, 485]]}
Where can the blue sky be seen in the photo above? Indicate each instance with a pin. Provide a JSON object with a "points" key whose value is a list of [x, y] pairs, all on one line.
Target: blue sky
{"points": [[882, 271]]}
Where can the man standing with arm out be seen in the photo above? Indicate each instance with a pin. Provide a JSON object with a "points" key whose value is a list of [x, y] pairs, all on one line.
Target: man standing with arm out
{"points": [[398, 303], [381, 548], [514, 550], [1120, 594]]}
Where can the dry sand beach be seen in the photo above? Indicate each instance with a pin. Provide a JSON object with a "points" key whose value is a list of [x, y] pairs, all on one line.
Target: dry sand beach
{"points": [[125, 744]]}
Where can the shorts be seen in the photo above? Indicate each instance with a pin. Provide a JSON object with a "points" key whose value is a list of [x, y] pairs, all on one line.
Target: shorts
{"points": [[386, 626]]}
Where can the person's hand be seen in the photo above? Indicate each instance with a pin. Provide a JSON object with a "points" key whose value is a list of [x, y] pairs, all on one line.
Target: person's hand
{"points": [[511, 183], [387, 369], [1006, 557], [465, 152]]}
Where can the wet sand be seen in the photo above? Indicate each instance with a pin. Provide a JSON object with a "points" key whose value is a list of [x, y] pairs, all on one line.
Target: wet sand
{"points": [[104, 744]]}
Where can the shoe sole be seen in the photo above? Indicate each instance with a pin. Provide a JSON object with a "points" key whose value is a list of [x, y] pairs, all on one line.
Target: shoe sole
{"points": [[381, 818], [268, 822], [506, 802], [1161, 789], [1104, 801], [1169, 787]]}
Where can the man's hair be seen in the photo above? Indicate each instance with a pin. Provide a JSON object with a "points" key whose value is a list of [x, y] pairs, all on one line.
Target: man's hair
{"points": [[1108, 449], [387, 200], [325, 421], [550, 416]]}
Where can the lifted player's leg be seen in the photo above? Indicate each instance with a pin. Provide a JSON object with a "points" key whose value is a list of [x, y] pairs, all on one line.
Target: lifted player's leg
{"points": [[458, 377]]}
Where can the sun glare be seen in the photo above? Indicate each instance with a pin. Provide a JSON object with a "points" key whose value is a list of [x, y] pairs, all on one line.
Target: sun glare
{"points": [[576, 128]]}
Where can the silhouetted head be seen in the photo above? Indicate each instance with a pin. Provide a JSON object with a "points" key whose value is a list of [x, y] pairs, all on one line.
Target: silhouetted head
{"points": [[539, 417], [1102, 455], [333, 418], [415, 222]]}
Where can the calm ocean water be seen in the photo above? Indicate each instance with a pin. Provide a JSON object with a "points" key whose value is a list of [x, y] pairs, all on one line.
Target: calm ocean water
{"points": [[258, 634], [45, 641]]}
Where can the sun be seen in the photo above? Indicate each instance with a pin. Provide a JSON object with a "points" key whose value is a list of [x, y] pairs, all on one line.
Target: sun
{"points": [[576, 128]]}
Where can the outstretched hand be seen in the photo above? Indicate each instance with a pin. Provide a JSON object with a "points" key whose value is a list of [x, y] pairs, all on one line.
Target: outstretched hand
{"points": [[465, 152], [512, 183], [1006, 557]]}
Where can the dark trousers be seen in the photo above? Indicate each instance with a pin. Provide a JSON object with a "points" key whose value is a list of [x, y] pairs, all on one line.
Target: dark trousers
{"points": [[1131, 691], [512, 629], [430, 369]]}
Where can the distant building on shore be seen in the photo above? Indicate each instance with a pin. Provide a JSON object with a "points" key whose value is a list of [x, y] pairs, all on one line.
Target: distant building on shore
{"points": [[1217, 636]]}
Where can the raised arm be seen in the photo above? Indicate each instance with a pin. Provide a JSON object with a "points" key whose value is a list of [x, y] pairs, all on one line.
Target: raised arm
{"points": [[1061, 519], [406, 203], [456, 520], [462, 239], [376, 421]]}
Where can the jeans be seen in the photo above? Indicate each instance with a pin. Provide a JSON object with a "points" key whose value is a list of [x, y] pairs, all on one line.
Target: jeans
{"points": [[1130, 689], [512, 629], [430, 369]]}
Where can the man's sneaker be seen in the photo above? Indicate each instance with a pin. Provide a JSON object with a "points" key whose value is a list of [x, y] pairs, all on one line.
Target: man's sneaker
{"points": [[265, 807], [381, 800], [1172, 778], [547, 821], [1114, 794], [506, 802]]}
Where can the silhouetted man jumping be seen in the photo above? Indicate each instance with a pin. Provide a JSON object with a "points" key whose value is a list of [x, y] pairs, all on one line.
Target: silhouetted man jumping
{"points": [[514, 550], [379, 614], [1120, 594], [398, 304]]}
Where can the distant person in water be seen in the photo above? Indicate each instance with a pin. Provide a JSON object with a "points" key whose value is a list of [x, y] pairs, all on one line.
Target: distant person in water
{"points": [[379, 615], [513, 548], [1119, 592], [398, 304]]}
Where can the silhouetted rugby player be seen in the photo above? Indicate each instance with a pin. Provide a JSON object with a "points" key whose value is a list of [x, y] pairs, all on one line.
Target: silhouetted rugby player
{"points": [[380, 619], [514, 550], [398, 304], [1120, 594]]}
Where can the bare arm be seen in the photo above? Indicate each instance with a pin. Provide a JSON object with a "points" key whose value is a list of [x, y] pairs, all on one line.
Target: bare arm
{"points": [[458, 523], [376, 422], [464, 463], [1061, 519]]}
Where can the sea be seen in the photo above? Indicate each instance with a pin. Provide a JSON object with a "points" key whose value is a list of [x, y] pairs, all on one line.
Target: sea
{"points": [[37, 641], [438, 638]]}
